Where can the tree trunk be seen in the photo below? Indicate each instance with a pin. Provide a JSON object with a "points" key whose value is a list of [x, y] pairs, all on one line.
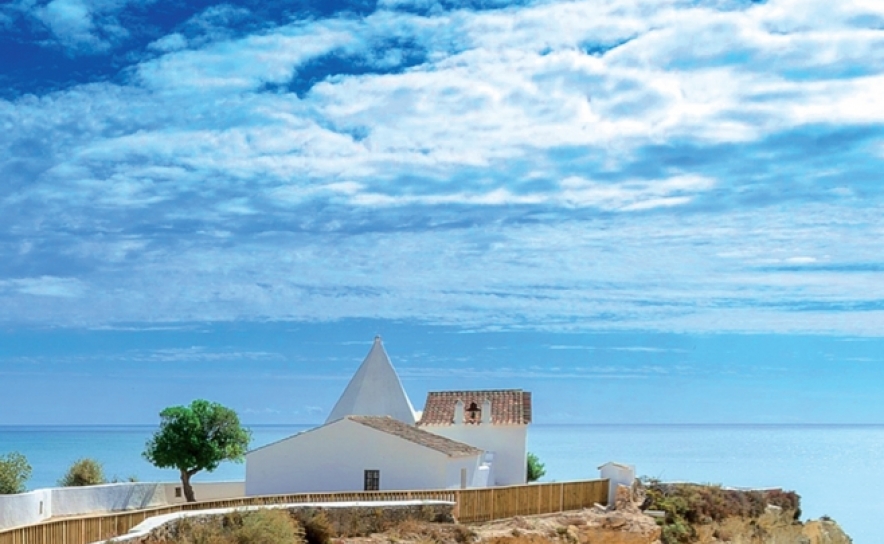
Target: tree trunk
{"points": [[185, 483]]}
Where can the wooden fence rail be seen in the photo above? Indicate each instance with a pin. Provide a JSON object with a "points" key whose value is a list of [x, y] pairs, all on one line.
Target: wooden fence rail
{"points": [[473, 505]]}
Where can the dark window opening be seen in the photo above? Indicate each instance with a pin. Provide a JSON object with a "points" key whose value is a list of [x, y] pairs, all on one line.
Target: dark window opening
{"points": [[372, 480]]}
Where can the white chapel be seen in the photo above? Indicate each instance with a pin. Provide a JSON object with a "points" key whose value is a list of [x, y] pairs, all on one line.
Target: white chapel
{"points": [[373, 440]]}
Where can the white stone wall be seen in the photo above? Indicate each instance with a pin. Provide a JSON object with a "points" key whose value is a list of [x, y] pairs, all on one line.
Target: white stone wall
{"points": [[508, 442], [42, 504], [335, 456], [25, 508], [205, 491], [68, 501]]}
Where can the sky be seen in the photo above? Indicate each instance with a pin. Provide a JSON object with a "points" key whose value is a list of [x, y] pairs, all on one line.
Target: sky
{"points": [[643, 211]]}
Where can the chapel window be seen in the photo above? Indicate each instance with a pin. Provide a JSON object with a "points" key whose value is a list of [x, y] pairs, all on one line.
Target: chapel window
{"points": [[372, 480]]}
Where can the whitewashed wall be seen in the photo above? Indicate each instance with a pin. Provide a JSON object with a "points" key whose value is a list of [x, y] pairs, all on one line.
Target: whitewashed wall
{"points": [[68, 501], [453, 468], [205, 491], [335, 456], [25, 508], [508, 442], [42, 504]]}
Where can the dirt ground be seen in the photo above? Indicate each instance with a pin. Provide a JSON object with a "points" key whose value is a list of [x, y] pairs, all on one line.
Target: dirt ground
{"points": [[589, 525]]}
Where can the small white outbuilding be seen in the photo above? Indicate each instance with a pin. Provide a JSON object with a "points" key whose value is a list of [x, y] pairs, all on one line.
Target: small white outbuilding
{"points": [[617, 474], [368, 453]]}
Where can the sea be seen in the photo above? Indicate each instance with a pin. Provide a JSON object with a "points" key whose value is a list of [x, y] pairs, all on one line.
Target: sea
{"points": [[837, 469]]}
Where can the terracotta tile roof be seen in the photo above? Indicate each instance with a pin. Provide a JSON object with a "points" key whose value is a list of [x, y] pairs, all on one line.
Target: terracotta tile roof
{"points": [[508, 406], [388, 425]]}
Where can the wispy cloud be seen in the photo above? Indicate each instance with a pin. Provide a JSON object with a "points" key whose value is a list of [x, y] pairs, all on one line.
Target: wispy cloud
{"points": [[46, 286], [550, 165], [637, 349], [617, 373]]}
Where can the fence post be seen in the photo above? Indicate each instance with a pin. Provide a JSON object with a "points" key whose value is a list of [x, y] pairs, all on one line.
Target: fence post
{"points": [[492, 505]]}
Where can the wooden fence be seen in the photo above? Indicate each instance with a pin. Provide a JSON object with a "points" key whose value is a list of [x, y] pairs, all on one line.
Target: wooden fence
{"points": [[473, 505]]}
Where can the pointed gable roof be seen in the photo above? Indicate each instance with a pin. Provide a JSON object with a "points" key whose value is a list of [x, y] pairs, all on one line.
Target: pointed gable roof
{"points": [[375, 390]]}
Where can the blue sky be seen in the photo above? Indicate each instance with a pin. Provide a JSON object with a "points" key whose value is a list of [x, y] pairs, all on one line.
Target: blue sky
{"points": [[643, 211]]}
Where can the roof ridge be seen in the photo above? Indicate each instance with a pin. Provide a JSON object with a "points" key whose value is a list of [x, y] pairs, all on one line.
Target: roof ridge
{"points": [[416, 435]]}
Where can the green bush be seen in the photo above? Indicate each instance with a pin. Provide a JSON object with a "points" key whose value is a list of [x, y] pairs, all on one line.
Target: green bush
{"points": [[83, 472], [535, 469], [14, 472]]}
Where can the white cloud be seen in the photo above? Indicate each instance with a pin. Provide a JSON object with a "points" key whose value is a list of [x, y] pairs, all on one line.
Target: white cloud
{"points": [[70, 21], [636, 195], [242, 64], [801, 260], [47, 286], [81, 26], [499, 179], [171, 42]]}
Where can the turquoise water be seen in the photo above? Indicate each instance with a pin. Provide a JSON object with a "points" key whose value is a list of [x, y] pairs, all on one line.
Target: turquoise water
{"points": [[837, 469]]}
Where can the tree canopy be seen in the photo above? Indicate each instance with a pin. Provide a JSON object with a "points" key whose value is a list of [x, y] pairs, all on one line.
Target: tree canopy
{"points": [[14, 472], [197, 437]]}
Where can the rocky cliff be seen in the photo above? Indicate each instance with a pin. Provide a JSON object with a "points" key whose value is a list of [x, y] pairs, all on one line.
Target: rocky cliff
{"points": [[645, 514], [708, 514]]}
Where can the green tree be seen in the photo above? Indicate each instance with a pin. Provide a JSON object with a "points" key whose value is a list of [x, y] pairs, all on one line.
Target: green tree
{"points": [[83, 472], [536, 469], [197, 437], [14, 472]]}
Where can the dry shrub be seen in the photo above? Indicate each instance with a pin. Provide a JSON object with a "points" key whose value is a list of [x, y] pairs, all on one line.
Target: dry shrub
{"points": [[83, 472], [789, 501], [708, 503], [255, 527], [521, 539], [463, 534], [712, 503], [317, 527], [418, 531], [268, 527], [199, 531], [409, 527]]}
